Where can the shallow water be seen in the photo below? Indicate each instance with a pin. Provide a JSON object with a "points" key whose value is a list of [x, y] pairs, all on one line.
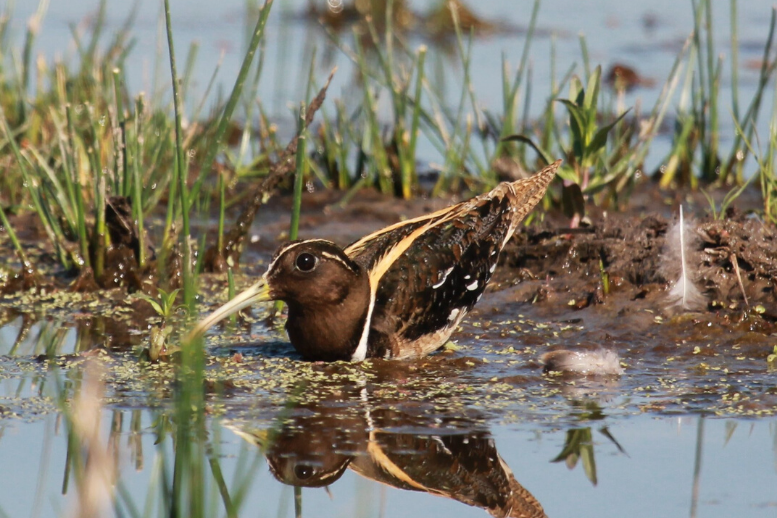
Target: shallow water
{"points": [[651, 471], [386, 436]]}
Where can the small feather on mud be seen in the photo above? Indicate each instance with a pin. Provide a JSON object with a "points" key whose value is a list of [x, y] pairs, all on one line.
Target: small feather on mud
{"points": [[600, 362], [679, 263]]}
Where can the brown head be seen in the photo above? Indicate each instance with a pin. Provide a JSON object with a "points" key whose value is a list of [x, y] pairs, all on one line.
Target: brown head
{"points": [[327, 293]]}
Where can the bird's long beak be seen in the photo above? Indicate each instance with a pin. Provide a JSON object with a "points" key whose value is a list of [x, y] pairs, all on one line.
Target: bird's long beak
{"points": [[259, 292]]}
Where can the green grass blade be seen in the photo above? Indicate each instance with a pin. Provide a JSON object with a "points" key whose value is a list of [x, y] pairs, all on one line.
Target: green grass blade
{"points": [[137, 193], [26, 264], [180, 172], [299, 177], [215, 142]]}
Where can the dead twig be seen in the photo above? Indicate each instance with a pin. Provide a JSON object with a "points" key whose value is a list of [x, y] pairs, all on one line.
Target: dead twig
{"points": [[733, 259]]}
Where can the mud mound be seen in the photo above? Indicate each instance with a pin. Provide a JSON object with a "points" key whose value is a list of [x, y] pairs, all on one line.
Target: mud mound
{"points": [[730, 261]]}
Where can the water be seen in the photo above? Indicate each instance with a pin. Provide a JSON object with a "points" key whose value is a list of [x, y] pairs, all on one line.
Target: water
{"points": [[652, 476], [407, 438]]}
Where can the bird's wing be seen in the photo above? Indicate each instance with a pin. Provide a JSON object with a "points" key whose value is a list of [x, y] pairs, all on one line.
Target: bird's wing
{"points": [[428, 272]]}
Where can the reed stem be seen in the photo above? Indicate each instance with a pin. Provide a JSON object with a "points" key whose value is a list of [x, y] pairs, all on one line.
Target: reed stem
{"points": [[180, 171]]}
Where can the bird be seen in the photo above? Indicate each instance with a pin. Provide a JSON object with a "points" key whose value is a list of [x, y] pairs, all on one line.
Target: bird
{"points": [[398, 293]]}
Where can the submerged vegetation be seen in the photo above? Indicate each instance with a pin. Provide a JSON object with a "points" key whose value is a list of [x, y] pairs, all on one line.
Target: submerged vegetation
{"points": [[115, 184]]}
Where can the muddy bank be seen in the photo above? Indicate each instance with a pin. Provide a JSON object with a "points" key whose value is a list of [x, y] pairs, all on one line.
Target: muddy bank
{"points": [[732, 262]]}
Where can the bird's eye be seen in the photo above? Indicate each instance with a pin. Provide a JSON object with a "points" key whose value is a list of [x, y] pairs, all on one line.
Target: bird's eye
{"points": [[303, 471], [306, 262]]}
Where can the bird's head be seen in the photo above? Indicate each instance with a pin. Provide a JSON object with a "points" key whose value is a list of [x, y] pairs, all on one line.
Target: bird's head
{"points": [[307, 275]]}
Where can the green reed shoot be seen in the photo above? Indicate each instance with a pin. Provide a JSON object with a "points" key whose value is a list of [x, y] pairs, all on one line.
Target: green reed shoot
{"points": [[137, 192], [766, 170], [699, 122], [299, 176], [711, 162], [404, 142], [456, 149], [83, 237], [247, 139], [409, 158], [737, 155], [122, 177], [188, 469], [734, 59], [588, 139], [510, 89], [14, 240], [32, 31], [456, 156], [636, 158], [372, 142], [214, 144], [188, 69], [605, 277], [231, 291], [180, 170], [50, 225]]}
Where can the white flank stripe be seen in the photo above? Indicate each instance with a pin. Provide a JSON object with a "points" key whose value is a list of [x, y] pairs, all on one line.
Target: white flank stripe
{"points": [[361, 350]]}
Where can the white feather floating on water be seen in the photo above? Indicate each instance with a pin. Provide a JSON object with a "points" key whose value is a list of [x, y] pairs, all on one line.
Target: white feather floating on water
{"points": [[600, 362], [680, 240]]}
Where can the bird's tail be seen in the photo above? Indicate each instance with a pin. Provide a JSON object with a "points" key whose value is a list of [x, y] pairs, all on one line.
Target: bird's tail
{"points": [[528, 192]]}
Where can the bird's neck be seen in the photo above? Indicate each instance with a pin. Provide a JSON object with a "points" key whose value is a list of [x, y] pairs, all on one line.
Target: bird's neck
{"points": [[331, 331]]}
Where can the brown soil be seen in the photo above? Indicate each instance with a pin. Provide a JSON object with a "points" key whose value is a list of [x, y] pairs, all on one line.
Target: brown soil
{"points": [[633, 253]]}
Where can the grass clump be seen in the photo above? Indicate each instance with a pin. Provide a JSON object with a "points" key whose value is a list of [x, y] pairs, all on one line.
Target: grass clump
{"points": [[80, 146]]}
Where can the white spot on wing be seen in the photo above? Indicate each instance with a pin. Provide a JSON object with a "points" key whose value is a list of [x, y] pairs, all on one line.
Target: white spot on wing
{"points": [[473, 286], [444, 276], [454, 314], [493, 267]]}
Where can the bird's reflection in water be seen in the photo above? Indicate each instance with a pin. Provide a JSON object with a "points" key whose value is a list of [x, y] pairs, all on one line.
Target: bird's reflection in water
{"points": [[411, 446]]}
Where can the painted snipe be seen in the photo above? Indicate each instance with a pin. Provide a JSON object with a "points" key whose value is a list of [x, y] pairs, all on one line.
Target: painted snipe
{"points": [[399, 292]]}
